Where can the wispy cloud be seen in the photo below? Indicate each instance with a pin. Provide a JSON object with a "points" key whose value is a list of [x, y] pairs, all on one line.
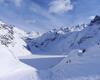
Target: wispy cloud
{"points": [[41, 11], [60, 6], [30, 21], [48, 20], [16, 2]]}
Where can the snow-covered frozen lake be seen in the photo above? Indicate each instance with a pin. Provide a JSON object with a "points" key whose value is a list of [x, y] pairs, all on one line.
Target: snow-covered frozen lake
{"points": [[43, 61]]}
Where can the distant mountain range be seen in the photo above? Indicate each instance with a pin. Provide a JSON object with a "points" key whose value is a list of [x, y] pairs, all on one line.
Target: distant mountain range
{"points": [[81, 43]]}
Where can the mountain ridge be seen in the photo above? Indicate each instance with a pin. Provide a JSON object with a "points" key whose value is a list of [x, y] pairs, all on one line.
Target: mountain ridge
{"points": [[81, 46]]}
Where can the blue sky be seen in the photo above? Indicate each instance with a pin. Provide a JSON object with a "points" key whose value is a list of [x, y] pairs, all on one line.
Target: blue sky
{"points": [[44, 15]]}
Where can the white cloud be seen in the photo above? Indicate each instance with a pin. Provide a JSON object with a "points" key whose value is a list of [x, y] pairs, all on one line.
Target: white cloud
{"points": [[60, 6], [50, 21]]}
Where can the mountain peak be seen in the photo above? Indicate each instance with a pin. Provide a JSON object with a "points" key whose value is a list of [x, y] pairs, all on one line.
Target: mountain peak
{"points": [[95, 20], [1, 22]]}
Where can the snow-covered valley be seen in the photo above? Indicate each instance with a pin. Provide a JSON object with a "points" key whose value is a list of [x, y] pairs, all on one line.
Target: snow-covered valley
{"points": [[60, 54]]}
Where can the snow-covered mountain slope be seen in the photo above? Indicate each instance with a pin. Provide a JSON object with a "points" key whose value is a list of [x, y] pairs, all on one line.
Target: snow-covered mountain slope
{"points": [[79, 66], [12, 45], [13, 38], [12, 69], [63, 41], [82, 46]]}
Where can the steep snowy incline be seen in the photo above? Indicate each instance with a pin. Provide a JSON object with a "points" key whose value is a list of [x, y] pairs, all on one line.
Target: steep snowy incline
{"points": [[17, 47], [14, 39], [12, 45], [13, 69]]}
